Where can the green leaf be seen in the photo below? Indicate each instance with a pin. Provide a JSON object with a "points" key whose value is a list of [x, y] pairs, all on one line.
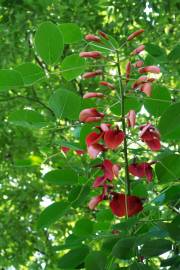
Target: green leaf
{"points": [[154, 50], [83, 227], [169, 124], [52, 213], [61, 177], [123, 249], [168, 169], [30, 73], [78, 195], [155, 247], [49, 42], [65, 104], [27, 118], [159, 100], [10, 79], [131, 103], [71, 145], [72, 66], [73, 258], [139, 266], [107, 46], [172, 194], [175, 261], [71, 33], [174, 55], [95, 260]]}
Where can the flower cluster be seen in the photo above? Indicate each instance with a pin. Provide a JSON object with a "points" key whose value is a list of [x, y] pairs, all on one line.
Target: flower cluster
{"points": [[106, 137]]}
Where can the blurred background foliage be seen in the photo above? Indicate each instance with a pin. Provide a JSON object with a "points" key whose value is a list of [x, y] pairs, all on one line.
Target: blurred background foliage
{"points": [[24, 152]]}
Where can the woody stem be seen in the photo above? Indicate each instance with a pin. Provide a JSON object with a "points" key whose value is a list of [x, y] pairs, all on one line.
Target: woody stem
{"points": [[122, 95]]}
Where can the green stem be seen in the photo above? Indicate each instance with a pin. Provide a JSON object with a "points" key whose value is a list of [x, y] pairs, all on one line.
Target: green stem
{"points": [[122, 94]]}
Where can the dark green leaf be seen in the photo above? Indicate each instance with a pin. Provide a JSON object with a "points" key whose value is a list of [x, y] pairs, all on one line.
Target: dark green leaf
{"points": [[78, 195], [124, 248], [83, 227], [10, 79], [49, 42], [154, 50], [169, 124], [30, 73], [139, 266], [72, 66], [61, 177], [95, 260], [155, 247], [65, 104], [174, 55], [52, 213], [71, 32], [73, 258]]}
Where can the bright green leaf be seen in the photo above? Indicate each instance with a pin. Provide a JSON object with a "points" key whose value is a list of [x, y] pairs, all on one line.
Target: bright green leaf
{"points": [[61, 177], [71, 33], [72, 66], [169, 124], [131, 103], [65, 104], [30, 73], [52, 213], [10, 79], [49, 42], [159, 101]]}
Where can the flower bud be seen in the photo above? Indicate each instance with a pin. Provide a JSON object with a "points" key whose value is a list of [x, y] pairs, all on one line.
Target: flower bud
{"points": [[135, 34], [138, 64], [92, 38], [92, 74], [109, 85], [94, 54], [93, 95], [138, 50], [102, 34], [152, 69]]}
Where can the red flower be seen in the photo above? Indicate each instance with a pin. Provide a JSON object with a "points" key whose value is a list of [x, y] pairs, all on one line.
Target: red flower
{"points": [[118, 205], [138, 64], [92, 38], [109, 85], [152, 69], [92, 74], [94, 54], [93, 95], [151, 136], [128, 71], [135, 34], [146, 88], [113, 138], [138, 50], [110, 172], [141, 170], [97, 199], [65, 149], [102, 34], [90, 115], [131, 118], [80, 152]]}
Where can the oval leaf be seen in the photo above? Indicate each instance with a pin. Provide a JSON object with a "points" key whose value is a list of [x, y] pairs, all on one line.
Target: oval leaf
{"points": [[30, 73], [66, 104], [159, 100], [73, 258], [49, 42], [52, 213], [155, 247], [61, 177], [83, 227], [169, 124], [123, 249], [95, 260], [71, 33], [10, 79], [72, 66]]}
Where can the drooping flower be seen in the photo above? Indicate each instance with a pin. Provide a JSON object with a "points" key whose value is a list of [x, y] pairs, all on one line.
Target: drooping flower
{"points": [[118, 205], [109, 85], [146, 88], [110, 171], [138, 64], [128, 71], [97, 199], [113, 138], [93, 95], [65, 149], [135, 34], [94, 54], [138, 50], [131, 118], [152, 69], [151, 136], [94, 148], [92, 74], [104, 35], [143, 169], [94, 38], [90, 115]]}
